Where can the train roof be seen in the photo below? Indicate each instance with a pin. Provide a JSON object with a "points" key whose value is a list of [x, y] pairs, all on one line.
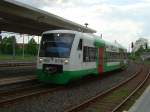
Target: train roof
{"points": [[99, 41], [116, 44], [61, 31]]}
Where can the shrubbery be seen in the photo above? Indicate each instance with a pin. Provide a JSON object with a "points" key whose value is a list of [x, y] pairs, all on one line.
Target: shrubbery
{"points": [[8, 43]]}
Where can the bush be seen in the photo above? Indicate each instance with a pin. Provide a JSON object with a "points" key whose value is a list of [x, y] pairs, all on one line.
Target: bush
{"points": [[31, 47], [7, 44]]}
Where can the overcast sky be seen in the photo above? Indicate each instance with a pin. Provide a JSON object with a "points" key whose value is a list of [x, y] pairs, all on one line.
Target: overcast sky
{"points": [[121, 20]]}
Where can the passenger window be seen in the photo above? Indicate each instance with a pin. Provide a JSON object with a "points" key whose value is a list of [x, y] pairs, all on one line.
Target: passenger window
{"points": [[89, 54], [80, 44]]}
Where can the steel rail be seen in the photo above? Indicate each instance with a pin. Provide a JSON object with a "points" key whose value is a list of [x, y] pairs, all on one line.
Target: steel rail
{"points": [[29, 94], [85, 103], [16, 64], [15, 80], [135, 91], [8, 91]]}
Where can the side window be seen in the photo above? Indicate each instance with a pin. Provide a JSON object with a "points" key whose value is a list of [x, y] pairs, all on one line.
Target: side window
{"points": [[85, 54], [89, 54], [80, 44]]}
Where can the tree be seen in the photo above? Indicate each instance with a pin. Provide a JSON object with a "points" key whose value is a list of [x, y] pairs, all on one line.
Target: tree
{"points": [[139, 51], [31, 47], [7, 44]]}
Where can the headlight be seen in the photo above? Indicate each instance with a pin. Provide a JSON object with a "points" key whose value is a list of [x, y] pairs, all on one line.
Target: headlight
{"points": [[40, 60], [66, 61]]}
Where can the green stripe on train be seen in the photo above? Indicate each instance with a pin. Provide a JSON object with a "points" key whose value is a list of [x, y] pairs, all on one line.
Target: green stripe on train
{"points": [[65, 77], [107, 68], [111, 68]]}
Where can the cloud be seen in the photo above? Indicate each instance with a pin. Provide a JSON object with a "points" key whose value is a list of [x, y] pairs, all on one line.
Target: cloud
{"points": [[122, 20], [124, 31]]}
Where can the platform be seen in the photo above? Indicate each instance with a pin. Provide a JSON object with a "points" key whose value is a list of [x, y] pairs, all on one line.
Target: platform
{"points": [[143, 103]]}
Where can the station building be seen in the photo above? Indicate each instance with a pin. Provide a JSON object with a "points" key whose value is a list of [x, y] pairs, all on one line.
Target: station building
{"points": [[141, 42]]}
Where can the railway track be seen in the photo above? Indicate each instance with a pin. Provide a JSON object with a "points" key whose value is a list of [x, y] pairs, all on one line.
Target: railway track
{"points": [[20, 93], [33, 90], [132, 93], [12, 89], [16, 64], [106, 101], [9, 95], [16, 69], [14, 80]]}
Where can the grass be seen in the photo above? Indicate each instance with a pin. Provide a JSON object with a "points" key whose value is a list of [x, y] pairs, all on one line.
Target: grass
{"points": [[139, 60], [147, 62], [115, 97], [17, 58], [134, 98]]}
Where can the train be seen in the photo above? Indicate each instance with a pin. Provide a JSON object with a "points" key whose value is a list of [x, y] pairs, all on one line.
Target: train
{"points": [[66, 55]]}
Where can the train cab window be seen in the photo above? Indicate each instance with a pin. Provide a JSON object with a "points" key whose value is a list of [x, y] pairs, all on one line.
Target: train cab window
{"points": [[80, 44]]}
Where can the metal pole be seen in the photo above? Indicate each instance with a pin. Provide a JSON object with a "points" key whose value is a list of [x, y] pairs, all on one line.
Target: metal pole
{"points": [[101, 35], [28, 43], [14, 49], [0, 40], [23, 47], [0, 36], [38, 42], [38, 39], [28, 37]]}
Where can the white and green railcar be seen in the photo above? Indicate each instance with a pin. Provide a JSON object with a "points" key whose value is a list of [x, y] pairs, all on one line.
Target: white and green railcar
{"points": [[66, 55]]}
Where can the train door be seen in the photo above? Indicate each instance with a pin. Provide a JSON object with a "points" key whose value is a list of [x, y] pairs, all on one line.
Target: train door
{"points": [[100, 60], [80, 50]]}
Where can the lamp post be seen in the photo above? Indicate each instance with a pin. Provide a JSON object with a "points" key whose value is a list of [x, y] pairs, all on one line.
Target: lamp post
{"points": [[86, 25], [14, 47], [0, 40], [0, 37], [22, 35]]}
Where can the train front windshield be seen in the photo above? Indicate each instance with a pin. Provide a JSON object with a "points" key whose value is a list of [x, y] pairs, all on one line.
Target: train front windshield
{"points": [[56, 45]]}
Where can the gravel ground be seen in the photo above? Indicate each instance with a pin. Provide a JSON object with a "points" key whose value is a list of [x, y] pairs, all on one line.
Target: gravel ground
{"points": [[16, 61], [19, 71], [72, 95], [15, 86], [6, 72]]}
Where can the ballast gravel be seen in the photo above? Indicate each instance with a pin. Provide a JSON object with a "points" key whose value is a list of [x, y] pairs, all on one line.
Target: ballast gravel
{"points": [[59, 101]]}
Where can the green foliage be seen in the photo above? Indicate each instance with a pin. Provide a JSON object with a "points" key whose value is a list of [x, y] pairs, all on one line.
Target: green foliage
{"points": [[7, 44], [141, 50], [136, 55], [17, 57], [31, 47], [147, 50], [132, 56], [19, 50]]}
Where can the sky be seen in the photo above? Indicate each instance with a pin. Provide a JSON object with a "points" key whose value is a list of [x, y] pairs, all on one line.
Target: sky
{"points": [[122, 20]]}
